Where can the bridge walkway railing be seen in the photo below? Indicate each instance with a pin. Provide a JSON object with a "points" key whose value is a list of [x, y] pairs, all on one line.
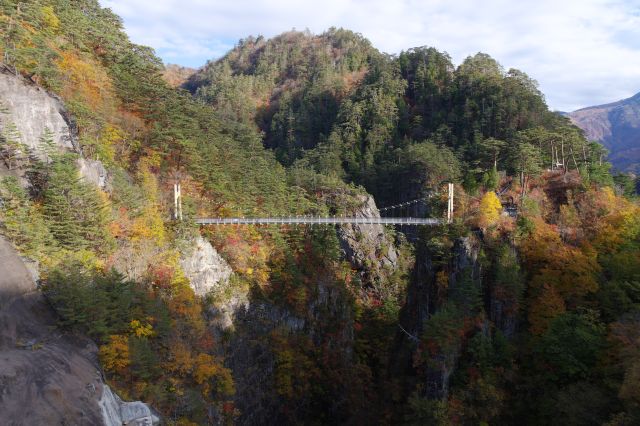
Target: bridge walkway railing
{"points": [[320, 221]]}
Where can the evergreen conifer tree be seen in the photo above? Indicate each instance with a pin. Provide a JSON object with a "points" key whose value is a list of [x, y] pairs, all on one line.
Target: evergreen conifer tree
{"points": [[73, 210]]}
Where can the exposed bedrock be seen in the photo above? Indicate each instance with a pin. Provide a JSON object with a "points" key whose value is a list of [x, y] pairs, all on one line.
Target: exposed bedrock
{"points": [[53, 373], [368, 248], [33, 111]]}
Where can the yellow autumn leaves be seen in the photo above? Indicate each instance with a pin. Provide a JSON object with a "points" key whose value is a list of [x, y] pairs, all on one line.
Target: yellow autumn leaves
{"points": [[490, 209]]}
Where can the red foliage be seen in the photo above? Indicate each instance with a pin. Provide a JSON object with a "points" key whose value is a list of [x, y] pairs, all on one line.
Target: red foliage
{"points": [[161, 276], [228, 407]]}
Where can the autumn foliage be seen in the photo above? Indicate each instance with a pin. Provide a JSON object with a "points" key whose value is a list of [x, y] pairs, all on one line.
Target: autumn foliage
{"points": [[525, 315], [490, 209]]}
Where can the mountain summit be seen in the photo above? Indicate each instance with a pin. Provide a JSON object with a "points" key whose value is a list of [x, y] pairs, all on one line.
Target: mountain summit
{"points": [[617, 127]]}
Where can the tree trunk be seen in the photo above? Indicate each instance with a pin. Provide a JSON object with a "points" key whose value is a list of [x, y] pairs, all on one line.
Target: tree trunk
{"points": [[562, 147], [574, 158]]}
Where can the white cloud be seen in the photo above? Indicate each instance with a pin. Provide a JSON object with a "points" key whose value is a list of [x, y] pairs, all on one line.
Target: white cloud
{"points": [[582, 52]]}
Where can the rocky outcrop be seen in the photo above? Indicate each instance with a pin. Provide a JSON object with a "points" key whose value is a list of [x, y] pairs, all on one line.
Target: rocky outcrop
{"points": [[464, 267], [250, 357], [54, 374], [209, 273], [94, 172], [505, 301], [424, 299], [116, 412], [465, 263], [245, 326], [367, 247], [47, 376], [34, 111], [227, 305], [206, 269]]}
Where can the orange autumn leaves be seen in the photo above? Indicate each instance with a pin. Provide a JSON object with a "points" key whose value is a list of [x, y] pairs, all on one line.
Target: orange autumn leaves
{"points": [[204, 369], [177, 343], [564, 265], [114, 355], [560, 275], [85, 81]]}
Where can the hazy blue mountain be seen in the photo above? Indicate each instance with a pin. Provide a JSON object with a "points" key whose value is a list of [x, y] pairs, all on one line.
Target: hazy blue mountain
{"points": [[616, 126]]}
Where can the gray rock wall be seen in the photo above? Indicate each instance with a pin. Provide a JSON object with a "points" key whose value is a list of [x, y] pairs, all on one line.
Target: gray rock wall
{"points": [[116, 412], [94, 172], [206, 269], [367, 247], [423, 300], [32, 110], [48, 376], [250, 356], [209, 273]]}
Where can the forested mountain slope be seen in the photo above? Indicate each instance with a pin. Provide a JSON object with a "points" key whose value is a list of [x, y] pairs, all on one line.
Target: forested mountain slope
{"points": [[334, 103], [525, 315], [617, 127]]}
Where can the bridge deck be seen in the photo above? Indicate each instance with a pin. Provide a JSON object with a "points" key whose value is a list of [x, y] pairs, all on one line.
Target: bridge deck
{"points": [[320, 221]]}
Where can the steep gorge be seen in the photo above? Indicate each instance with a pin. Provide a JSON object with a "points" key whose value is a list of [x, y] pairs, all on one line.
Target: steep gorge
{"points": [[54, 372], [533, 286]]}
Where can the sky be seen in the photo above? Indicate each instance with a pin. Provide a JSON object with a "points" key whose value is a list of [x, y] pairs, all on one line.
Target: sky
{"points": [[582, 52]]}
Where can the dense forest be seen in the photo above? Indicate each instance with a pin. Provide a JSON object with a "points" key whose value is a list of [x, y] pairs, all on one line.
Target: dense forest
{"points": [[524, 310]]}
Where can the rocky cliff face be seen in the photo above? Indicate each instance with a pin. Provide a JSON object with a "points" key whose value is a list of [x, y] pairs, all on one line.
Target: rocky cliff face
{"points": [[53, 373], [47, 376], [504, 306], [34, 111], [94, 172], [464, 266], [465, 262], [246, 328], [368, 248], [249, 327], [210, 274], [206, 269], [617, 127], [254, 361], [423, 300], [116, 412]]}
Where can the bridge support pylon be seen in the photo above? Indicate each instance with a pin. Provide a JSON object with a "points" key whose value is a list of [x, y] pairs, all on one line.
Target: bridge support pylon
{"points": [[450, 204], [177, 201]]}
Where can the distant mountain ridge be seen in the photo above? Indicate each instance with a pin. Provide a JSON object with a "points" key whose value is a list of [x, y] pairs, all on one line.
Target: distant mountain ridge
{"points": [[617, 127]]}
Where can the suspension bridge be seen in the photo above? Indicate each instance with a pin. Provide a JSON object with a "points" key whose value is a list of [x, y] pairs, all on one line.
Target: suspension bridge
{"points": [[330, 220], [310, 220]]}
